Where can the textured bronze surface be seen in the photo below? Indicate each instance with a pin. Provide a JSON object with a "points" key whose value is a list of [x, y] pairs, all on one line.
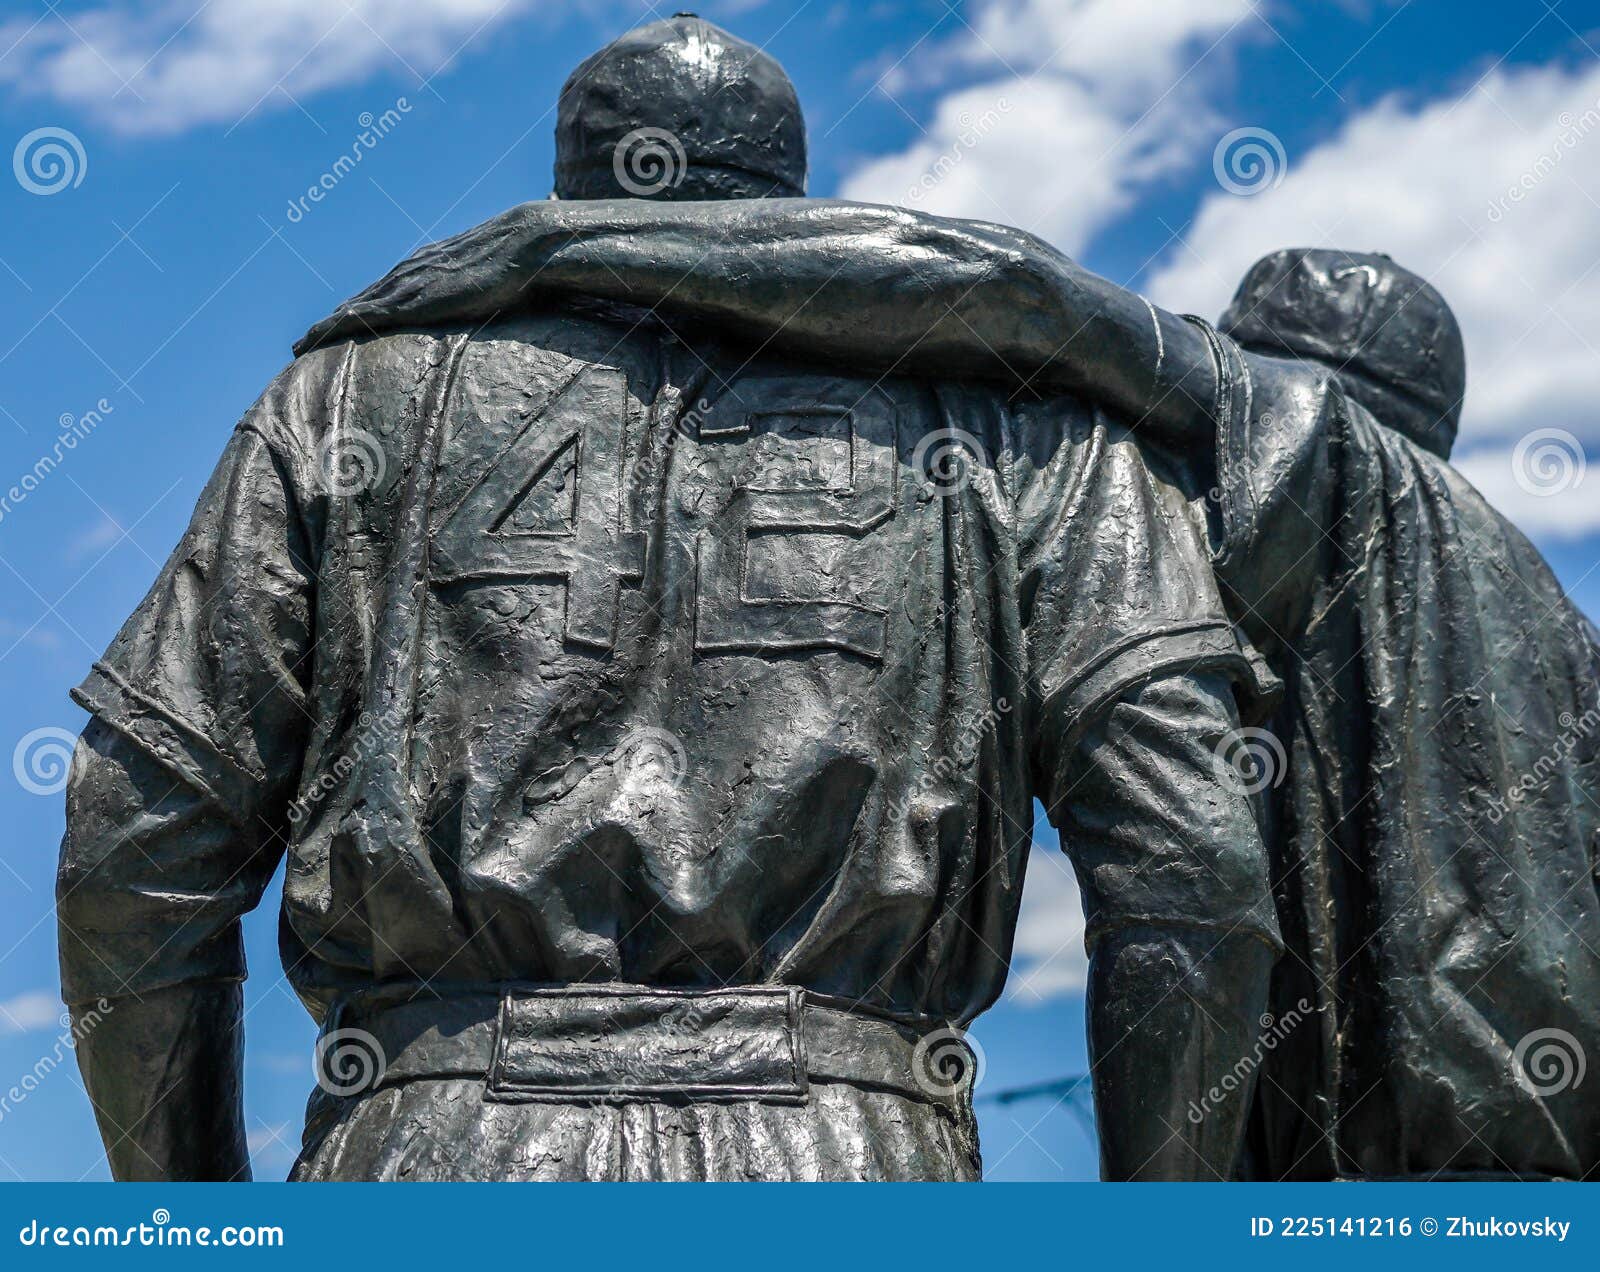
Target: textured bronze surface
{"points": [[644, 624]]}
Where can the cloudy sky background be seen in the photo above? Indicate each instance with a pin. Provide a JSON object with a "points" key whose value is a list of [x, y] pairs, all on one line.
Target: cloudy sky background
{"points": [[160, 288]]}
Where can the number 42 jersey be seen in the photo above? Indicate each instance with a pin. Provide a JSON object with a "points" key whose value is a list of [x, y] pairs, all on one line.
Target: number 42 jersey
{"points": [[562, 650]]}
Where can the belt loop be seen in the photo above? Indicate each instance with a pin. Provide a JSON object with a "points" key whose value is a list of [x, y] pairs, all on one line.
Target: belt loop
{"points": [[497, 1046], [797, 1035]]}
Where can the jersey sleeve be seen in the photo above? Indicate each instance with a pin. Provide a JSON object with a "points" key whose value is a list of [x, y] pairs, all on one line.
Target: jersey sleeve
{"points": [[179, 786], [1134, 675], [1273, 495], [1116, 583]]}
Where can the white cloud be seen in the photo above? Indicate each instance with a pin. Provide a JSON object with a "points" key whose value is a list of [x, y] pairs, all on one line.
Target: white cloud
{"points": [[272, 1142], [1058, 117], [982, 158], [1078, 105], [1048, 958], [1567, 507], [33, 1012], [101, 534], [159, 66], [1137, 48], [13, 633], [1431, 184]]}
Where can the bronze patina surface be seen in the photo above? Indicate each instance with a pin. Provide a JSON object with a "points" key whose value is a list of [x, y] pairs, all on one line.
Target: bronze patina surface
{"points": [[643, 622]]}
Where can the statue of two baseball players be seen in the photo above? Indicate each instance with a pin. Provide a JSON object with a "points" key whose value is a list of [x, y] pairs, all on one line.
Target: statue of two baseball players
{"points": [[644, 622]]}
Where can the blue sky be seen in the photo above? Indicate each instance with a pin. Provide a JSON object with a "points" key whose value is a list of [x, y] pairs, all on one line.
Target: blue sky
{"points": [[146, 302]]}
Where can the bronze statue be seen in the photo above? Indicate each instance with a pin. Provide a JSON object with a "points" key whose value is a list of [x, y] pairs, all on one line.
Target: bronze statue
{"points": [[1437, 817], [1432, 789], [647, 679], [642, 622]]}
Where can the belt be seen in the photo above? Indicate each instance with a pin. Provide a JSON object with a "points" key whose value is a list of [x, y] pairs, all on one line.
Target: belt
{"points": [[608, 1043]]}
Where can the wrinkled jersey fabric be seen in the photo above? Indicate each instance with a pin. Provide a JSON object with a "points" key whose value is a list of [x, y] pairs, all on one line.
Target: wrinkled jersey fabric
{"points": [[444, 1131], [556, 651], [584, 688], [1438, 816], [1432, 664]]}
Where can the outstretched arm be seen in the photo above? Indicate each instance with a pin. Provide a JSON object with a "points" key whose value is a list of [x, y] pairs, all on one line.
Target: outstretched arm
{"points": [[880, 288]]}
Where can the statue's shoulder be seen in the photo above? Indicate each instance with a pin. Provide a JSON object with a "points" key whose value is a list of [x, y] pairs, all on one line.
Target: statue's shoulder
{"points": [[580, 329]]}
